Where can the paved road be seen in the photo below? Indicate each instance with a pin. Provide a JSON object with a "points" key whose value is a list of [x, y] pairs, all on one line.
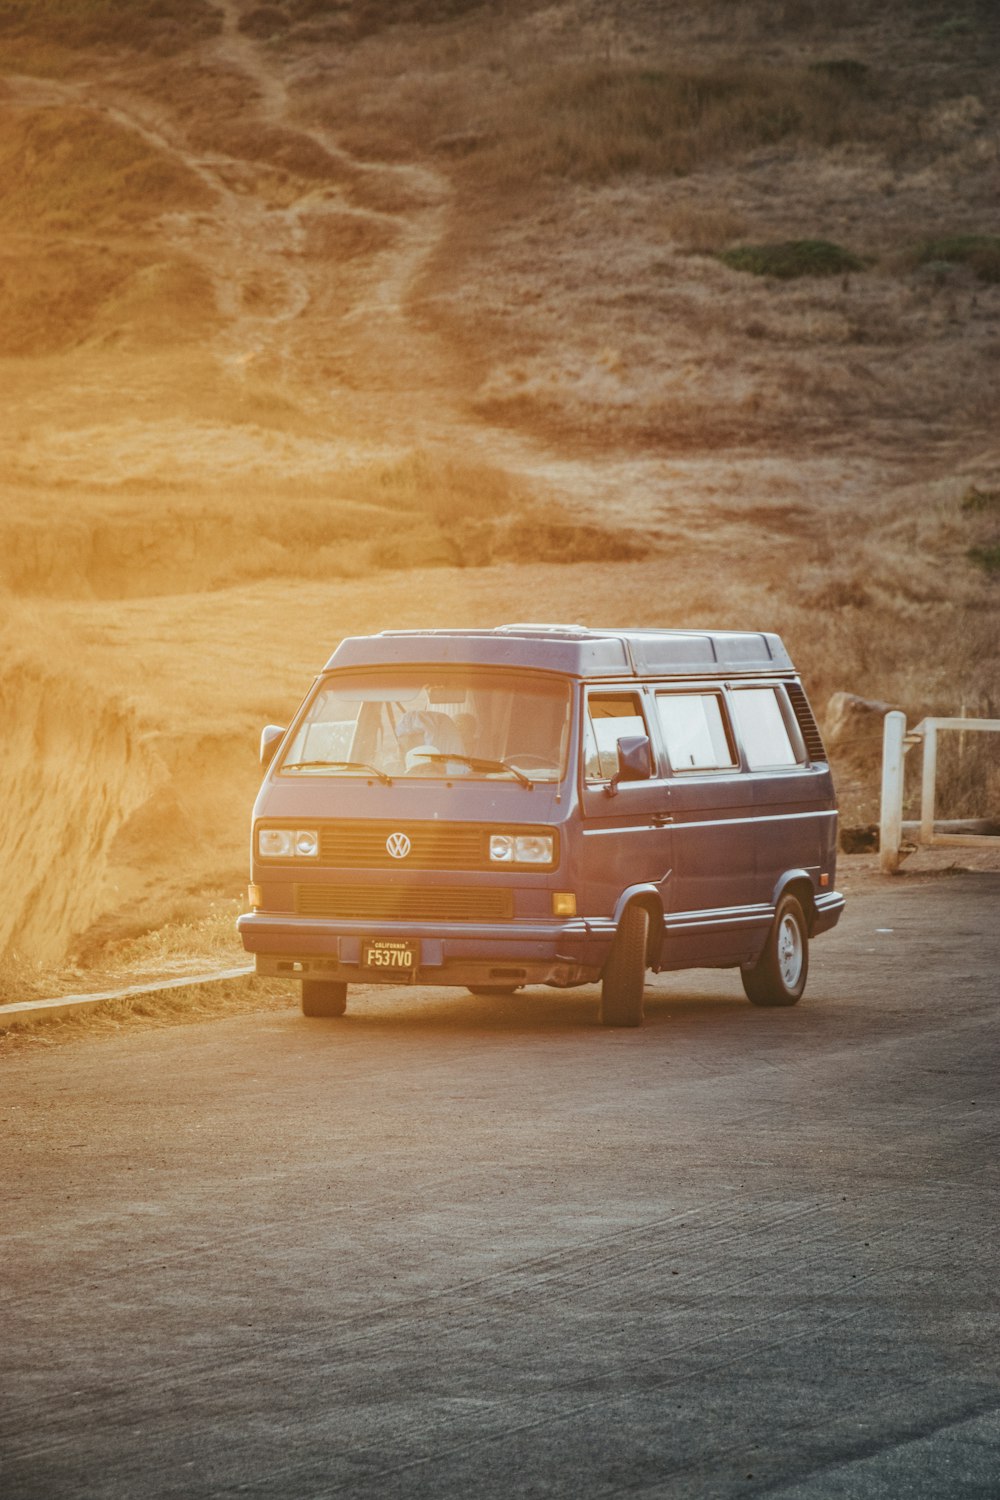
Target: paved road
{"points": [[457, 1248]]}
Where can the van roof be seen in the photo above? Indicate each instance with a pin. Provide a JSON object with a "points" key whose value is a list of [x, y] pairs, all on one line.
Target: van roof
{"points": [[573, 650]]}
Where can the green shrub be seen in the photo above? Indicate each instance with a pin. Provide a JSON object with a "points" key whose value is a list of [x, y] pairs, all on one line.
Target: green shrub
{"points": [[846, 70], [987, 558], [789, 259], [954, 26], [980, 252], [979, 500]]}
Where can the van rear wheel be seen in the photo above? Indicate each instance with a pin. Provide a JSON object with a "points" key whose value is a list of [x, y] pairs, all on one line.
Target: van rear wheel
{"points": [[624, 981], [779, 975], [323, 997]]}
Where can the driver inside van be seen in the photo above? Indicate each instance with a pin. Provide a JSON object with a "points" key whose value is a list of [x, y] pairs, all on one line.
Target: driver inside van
{"points": [[422, 733]]}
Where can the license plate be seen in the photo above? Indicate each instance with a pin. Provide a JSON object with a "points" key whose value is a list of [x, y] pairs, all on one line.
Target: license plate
{"points": [[390, 956]]}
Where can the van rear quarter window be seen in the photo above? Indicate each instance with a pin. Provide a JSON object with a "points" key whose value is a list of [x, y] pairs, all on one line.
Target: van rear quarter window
{"points": [[762, 729]]}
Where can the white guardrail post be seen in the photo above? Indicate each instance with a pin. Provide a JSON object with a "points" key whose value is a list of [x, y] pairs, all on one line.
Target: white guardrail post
{"points": [[929, 728], [891, 826]]}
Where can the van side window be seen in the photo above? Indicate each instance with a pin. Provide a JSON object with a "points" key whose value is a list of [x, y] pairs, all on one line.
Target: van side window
{"points": [[762, 729], [696, 732], [610, 717]]}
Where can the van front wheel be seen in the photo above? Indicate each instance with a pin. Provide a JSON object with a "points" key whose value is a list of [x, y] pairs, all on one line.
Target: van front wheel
{"points": [[779, 975], [625, 971], [323, 997]]}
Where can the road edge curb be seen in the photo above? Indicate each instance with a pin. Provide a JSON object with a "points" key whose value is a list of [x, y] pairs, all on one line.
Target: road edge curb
{"points": [[26, 1012]]}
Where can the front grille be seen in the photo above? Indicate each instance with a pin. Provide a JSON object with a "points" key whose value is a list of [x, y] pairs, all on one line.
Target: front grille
{"points": [[433, 846], [810, 729], [361, 845], [417, 903]]}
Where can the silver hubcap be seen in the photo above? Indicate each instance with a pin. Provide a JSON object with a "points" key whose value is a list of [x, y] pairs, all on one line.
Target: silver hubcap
{"points": [[789, 952]]}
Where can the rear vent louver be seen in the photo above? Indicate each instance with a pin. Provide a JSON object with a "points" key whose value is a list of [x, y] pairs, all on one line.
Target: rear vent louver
{"points": [[810, 729]]}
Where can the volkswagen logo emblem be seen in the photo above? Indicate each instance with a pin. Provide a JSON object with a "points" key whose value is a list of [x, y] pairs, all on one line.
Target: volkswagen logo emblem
{"points": [[398, 845]]}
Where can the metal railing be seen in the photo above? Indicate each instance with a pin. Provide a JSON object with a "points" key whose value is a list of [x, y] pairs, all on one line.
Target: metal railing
{"points": [[896, 741]]}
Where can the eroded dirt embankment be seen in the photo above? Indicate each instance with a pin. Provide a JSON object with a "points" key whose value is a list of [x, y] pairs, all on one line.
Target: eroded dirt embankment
{"points": [[130, 808], [76, 766]]}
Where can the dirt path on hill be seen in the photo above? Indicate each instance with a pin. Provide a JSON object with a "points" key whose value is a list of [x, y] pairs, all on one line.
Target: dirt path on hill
{"points": [[291, 310], [294, 333], [314, 255]]}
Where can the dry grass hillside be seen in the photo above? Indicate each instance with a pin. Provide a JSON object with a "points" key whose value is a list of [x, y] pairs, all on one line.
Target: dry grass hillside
{"points": [[322, 316]]}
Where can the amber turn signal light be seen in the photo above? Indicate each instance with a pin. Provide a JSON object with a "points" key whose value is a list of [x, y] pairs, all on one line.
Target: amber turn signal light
{"points": [[564, 903]]}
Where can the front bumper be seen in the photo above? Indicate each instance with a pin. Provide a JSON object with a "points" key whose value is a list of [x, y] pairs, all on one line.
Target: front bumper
{"points": [[828, 906], [543, 952]]}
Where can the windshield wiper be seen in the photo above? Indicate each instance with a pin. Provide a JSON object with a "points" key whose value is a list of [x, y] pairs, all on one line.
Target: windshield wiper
{"points": [[339, 765], [479, 763]]}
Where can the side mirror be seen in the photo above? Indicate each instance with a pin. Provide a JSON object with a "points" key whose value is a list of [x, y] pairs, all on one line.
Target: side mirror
{"points": [[269, 741], [633, 761]]}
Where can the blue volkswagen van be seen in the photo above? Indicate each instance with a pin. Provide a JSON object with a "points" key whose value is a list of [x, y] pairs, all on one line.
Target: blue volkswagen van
{"points": [[544, 805]]}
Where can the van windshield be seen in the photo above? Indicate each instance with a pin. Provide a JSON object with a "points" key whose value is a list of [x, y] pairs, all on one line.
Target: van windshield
{"points": [[441, 724]]}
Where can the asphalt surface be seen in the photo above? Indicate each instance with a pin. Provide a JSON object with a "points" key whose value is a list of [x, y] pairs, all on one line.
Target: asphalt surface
{"points": [[462, 1248]]}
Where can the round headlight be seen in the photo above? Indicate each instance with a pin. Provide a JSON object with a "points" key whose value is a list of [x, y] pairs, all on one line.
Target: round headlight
{"points": [[306, 843], [501, 848]]}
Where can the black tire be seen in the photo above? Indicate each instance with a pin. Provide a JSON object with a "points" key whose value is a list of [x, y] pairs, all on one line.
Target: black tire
{"points": [[492, 989], [624, 981], [779, 975], [323, 997]]}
